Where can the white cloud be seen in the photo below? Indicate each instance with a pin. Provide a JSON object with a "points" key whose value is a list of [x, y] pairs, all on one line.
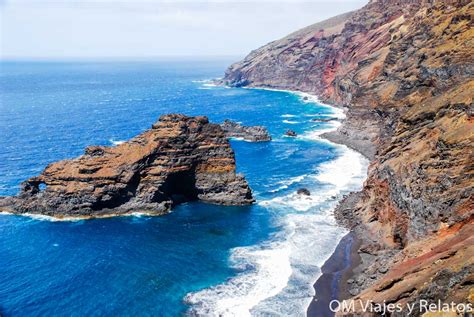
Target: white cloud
{"points": [[102, 28]]}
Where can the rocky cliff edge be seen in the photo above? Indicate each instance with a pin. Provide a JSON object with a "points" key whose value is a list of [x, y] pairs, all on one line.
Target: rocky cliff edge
{"points": [[404, 72], [179, 159]]}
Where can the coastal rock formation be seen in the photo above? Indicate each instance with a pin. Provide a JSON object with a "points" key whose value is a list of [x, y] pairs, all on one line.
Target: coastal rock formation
{"points": [[290, 133], [250, 133], [405, 74], [179, 159], [324, 119], [303, 191]]}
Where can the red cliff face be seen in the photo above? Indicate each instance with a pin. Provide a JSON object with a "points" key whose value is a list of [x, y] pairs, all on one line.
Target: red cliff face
{"points": [[405, 72], [179, 158]]}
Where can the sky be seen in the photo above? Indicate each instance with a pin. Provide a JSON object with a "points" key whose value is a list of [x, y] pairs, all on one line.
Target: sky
{"points": [[62, 29]]}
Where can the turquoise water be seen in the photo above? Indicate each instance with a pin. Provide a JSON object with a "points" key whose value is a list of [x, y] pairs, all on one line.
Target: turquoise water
{"points": [[199, 259]]}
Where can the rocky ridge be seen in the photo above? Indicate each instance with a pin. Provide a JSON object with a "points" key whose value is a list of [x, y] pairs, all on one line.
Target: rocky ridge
{"points": [[179, 159], [249, 133], [403, 71]]}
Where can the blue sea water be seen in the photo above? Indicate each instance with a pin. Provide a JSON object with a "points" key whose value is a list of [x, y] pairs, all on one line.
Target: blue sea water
{"points": [[200, 259]]}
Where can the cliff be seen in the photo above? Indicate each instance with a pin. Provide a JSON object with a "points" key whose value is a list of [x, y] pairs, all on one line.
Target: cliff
{"points": [[179, 159], [404, 72]]}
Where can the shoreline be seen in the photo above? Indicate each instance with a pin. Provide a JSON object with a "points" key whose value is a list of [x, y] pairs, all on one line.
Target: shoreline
{"points": [[336, 271], [414, 214], [342, 264], [346, 262], [345, 252], [335, 282], [340, 267], [348, 240], [42, 217]]}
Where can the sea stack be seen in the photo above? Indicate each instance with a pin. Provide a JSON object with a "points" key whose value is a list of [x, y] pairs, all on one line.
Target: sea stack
{"points": [[249, 133], [179, 159]]}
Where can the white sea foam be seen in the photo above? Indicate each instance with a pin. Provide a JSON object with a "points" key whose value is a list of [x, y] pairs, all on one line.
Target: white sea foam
{"points": [[240, 139], [278, 275], [288, 182], [288, 116], [206, 84], [314, 240], [40, 217], [205, 81], [290, 122], [285, 268], [308, 98], [116, 142], [346, 173], [44, 217], [315, 135], [240, 294]]}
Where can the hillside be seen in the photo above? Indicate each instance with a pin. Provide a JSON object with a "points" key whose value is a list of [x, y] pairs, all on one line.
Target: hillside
{"points": [[404, 72]]}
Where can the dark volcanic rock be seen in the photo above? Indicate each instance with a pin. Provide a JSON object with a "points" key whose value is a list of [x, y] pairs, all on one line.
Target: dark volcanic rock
{"points": [[323, 119], [250, 133], [290, 133], [180, 159], [303, 191]]}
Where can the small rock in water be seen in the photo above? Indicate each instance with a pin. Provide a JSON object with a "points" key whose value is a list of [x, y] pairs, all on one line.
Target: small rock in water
{"points": [[323, 119], [303, 191], [290, 133], [250, 133]]}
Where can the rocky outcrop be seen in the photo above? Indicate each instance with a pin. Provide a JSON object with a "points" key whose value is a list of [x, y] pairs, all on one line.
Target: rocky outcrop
{"points": [[303, 191], [250, 133], [404, 72], [324, 119], [179, 159]]}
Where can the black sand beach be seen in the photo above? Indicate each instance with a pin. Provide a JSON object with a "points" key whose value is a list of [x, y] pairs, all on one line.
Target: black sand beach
{"points": [[336, 271]]}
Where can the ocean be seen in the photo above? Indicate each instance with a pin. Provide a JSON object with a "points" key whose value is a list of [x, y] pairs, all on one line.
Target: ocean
{"points": [[199, 259]]}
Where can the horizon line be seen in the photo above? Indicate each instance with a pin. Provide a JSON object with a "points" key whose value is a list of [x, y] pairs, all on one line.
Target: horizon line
{"points": [[117, 58]]}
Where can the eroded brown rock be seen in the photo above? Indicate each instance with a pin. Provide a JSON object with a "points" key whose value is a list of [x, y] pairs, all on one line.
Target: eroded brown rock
{"points": [[249, 133], [181, 158], [405, 74]]}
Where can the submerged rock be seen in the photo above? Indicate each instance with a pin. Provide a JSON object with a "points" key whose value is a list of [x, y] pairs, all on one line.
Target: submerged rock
{"points": [[323, 119], [290, 133], [180, 159], [250, 133], [303, 191]]}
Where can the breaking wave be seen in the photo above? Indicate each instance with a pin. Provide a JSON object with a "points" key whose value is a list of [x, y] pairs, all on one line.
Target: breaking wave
{"points": [[276, 277], [116, 142], [290, 122]]}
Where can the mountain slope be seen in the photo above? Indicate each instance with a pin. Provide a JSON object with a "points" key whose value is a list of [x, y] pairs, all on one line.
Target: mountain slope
{"points": [[405, 73]]}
